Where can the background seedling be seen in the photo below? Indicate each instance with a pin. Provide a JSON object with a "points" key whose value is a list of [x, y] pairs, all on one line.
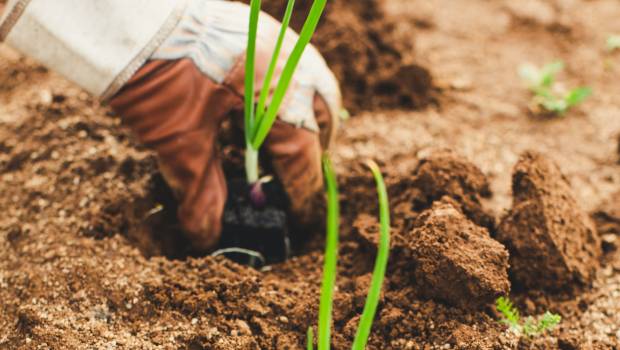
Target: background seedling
{"points": [[548, 96], [613, 43], [258, 121], [530, 327], [331, 255]]}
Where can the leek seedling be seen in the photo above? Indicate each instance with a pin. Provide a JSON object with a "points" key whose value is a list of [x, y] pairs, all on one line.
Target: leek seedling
{"points": [[530, 327], [546, 94], [372, 300], [331, 256], [258, 121]]}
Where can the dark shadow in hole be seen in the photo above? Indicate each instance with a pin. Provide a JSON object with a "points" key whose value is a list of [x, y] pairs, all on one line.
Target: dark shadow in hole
{"points": [[154, 227]]}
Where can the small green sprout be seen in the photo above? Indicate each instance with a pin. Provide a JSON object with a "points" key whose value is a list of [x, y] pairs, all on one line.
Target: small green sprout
{"points": [[613, 43], [530, 327], [259, 119], [509, 312], [547, 95]]}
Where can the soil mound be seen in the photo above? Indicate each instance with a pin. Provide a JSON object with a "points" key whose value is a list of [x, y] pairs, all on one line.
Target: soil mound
{"points": [[552, 242], [370, 53], [445, 173], [456, 261]]}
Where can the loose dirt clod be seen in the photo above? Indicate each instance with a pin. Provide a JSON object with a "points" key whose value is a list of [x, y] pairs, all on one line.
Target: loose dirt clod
{"points": [[456, 261], [553, 243], [446, 173]]}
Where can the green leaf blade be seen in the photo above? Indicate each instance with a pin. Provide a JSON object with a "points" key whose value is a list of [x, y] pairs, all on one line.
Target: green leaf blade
{"points": [[331, 256], [548, 72], [307, 31], [264, 94], [310, 339], [250, 70], [577, 95], [378, 275]]}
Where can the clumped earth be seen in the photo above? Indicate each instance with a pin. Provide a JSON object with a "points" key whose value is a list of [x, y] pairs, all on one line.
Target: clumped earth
{"points": [[75, 271], [445, 173], [553, 243], [455, 260]]}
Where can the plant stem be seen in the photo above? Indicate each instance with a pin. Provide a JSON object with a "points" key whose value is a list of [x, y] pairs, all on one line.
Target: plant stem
{"points": [[251, 156], [310, 339], [269, 117], [251, 164]]}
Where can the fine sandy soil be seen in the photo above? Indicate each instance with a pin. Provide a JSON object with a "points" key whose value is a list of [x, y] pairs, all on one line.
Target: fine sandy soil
{"points": [[487, 198]]}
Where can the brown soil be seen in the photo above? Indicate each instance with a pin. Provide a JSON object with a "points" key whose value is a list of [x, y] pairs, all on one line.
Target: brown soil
{"points": [[446, 173], [455, 260], [76, 189], [553, 243], [357, 38]]}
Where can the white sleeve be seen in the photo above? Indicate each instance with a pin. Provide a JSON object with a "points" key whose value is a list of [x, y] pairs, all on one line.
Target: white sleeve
{"points": [[97, 44]]}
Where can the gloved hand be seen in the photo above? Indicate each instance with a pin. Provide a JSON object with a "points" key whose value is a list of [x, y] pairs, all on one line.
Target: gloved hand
{"points": [[177, 101]]}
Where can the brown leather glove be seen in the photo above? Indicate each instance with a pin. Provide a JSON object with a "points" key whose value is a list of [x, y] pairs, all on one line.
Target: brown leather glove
{"points": [[176, 110], [176, 103]]}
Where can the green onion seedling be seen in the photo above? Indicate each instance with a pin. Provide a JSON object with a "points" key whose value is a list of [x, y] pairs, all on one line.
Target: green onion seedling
{"points": [[331, 256], [378, 275], [259, 119], [530, 327], [547, 95]]}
